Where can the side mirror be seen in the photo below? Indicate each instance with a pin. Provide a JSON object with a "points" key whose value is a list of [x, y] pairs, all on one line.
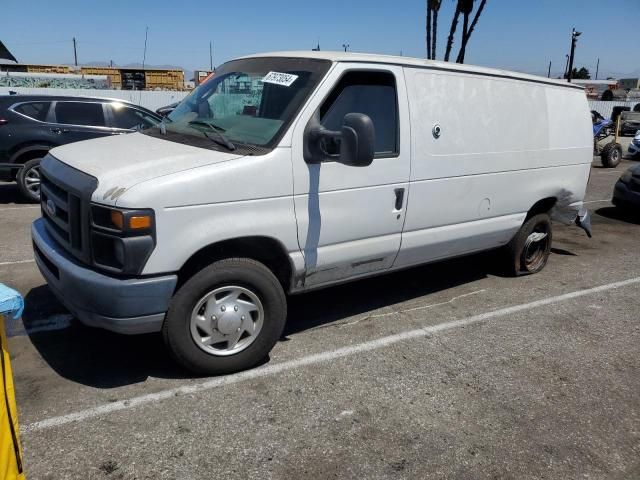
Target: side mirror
{"points": [[357, 141]]}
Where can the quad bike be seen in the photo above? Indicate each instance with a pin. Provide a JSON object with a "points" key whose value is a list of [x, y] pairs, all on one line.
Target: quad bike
{"points": [[610, 153]]}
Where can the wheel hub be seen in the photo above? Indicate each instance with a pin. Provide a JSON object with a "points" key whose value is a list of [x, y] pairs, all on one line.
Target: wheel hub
{"points": [[229, 320], [534, 249]]}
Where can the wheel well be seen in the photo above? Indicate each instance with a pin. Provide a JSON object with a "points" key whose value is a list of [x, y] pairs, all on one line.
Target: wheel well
{"points": [[262, 249], [26, 151], [30, 155], [24, 158], [541, 206]]}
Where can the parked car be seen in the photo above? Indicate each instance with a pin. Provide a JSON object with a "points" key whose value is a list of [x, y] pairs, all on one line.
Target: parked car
{"points": [[634, 146], [289, 172], [626, 193], [32, 125], [629, 123]]}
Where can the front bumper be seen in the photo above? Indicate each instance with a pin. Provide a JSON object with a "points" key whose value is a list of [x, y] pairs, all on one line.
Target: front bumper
{"points": [[572, 214], [623, 196], [634, 149], [130, 306]]}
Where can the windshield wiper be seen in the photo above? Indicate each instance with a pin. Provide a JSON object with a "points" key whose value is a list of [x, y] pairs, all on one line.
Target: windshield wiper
{"points": [[220, 139]]}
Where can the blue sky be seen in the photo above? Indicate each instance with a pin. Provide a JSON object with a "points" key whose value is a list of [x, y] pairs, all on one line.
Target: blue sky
{"points": [[512, 34]]}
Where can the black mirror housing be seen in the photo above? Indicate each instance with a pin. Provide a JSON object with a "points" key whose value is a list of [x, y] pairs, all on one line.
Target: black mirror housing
{"points": [[357, 141]]}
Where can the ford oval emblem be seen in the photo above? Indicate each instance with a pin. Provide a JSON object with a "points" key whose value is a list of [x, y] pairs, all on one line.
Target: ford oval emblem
{"points": [[51, 207]]}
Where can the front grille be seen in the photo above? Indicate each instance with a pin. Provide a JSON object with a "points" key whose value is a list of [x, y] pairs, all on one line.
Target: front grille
{"points": [[65, 195], [61, 211]]}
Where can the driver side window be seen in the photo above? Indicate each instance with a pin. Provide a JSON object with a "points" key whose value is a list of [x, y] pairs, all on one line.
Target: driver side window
{"points": [[371, 93]]}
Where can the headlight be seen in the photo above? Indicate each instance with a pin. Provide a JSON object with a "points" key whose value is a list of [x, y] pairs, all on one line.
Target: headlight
{"points": [[626, 176], [128, 221], [122, 239]]}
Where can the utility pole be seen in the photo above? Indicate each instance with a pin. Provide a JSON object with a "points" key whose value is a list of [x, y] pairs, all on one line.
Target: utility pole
{"points": [[144, 55], [345, 46], [211, 56], [75, 52], [144, 60], [597, 68], [566, 65], [549, 72], [574, 40]]}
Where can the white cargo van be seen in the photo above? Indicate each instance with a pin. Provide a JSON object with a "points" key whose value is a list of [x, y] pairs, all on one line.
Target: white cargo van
{"points": [[287, 172]]}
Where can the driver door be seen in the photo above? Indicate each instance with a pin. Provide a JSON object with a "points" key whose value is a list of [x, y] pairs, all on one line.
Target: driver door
{"points": [[349, 218]]}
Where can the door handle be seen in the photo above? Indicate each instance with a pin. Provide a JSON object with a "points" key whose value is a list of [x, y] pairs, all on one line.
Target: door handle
{"points": [[399, 198], [60, 130]]}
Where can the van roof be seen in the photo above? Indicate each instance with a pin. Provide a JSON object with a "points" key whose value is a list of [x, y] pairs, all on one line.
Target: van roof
{"points": [[415, 62]]}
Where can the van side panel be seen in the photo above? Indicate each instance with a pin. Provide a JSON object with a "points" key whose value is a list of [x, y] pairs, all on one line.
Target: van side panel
{"points": [[504, 145]]}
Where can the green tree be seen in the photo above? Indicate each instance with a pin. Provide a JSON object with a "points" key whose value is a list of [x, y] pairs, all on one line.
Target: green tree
{"points": [[582, 74]]}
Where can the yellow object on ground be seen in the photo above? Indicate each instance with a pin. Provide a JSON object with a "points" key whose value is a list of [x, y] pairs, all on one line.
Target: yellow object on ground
{"points": [[10, 452]]}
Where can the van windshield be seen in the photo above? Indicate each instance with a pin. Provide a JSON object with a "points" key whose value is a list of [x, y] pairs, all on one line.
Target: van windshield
{"points": [[247, 105]]}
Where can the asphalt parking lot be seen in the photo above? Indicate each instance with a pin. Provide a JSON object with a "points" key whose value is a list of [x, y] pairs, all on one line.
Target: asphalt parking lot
{"points": [[445, 371]]}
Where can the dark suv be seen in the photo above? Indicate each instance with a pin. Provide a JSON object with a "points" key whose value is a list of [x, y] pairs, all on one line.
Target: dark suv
{"points": [[31, 125]]}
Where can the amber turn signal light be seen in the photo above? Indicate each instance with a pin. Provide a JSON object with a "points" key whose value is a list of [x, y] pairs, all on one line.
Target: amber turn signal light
{"points": [[117, 219], [140, 222]]}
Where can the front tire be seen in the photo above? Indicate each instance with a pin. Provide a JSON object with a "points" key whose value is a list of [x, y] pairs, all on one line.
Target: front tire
{"points": [[529, 250], [611, 155], [226, 318], [28, 180]]}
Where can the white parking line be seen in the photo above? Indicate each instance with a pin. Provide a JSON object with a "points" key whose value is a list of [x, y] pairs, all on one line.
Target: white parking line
{"points": [[613, 172], [17, 262], [269, 370], [19, 208]]}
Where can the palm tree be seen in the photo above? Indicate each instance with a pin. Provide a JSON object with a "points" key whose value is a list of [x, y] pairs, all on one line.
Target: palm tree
{"points": [[452, 30], [466, 6], [429, 29], [468, 31], [435, 6]]}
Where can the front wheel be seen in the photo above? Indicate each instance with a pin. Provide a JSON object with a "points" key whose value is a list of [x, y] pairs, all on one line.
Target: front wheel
{"points": [[226, 318], [529, 250], [28, 180], [611, 155]]}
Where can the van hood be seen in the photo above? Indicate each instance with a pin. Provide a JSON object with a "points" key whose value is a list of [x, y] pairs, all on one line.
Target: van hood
{"points": [[122, 161]]}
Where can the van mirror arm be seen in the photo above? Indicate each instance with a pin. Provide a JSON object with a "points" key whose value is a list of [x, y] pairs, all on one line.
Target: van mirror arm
{"points": [[357, 140]]}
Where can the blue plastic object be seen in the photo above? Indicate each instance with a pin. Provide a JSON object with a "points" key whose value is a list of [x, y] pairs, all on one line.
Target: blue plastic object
{"points": [[598, 126], [11, 302]]}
